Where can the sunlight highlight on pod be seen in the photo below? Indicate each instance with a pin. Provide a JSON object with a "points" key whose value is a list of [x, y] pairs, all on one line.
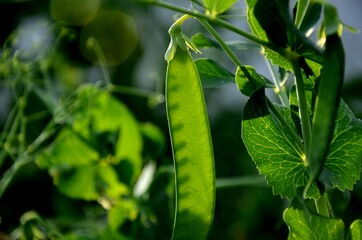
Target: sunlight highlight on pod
{"points": [[114, 32]]}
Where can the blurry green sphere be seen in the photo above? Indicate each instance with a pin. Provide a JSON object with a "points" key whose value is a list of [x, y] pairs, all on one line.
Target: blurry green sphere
{"points": [[74, 12], [110, 35]]}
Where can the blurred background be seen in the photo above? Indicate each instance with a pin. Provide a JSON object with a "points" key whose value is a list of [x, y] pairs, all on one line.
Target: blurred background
{"points": [[52, 48]]}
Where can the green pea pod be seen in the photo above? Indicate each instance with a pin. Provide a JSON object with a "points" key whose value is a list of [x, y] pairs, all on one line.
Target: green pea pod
{"points": [[192, 149], [327, 103]]}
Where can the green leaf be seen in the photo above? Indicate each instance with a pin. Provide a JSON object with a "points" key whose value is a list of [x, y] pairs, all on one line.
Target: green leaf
{"points": [[99, 112], [301, 12], [273, 149], [331, 19], [77, 182], [249, 86], [216, 7], [154, 140], [90, 182], [258, 31], [356, 230], [213, 74], [192, 149], [327, 103], [311, 17], [68, 149], [303, 225], [123, 210], [268, 14], [344, 152], [201, 41]]}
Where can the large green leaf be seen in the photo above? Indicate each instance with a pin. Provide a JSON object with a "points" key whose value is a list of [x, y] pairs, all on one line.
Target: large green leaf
{"points": [[257, 29], [344, 151], [68, 150], [213, 74], [192, 149], [273, 149], [270, 21], [99, 112], [343, 164], [303, 225], [218, 6], [82, 157], [356, 230]]}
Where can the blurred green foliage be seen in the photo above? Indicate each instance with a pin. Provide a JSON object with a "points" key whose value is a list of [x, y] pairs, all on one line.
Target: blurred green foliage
{"points": [[78, 136]]}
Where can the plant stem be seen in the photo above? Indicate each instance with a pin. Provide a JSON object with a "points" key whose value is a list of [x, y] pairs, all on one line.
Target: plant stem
{"points": [[279, 88], [133, 91], [252, 180], [93, 44], [324, 207], [217, 21], [303, 109], [226, 48], [11, 172]]}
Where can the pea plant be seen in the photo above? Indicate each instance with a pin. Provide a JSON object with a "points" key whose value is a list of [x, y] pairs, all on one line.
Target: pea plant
{"points": [[305, 144]]}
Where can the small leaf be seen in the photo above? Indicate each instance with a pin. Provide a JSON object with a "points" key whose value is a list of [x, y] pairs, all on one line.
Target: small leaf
{"points": [[249, 86], [273, 149], [303, 225], [123, 210], [356, 230], [192, 149], [218, 6], [77, 183], [212, 74], [67, 150], [331, 20], [201, 41]]}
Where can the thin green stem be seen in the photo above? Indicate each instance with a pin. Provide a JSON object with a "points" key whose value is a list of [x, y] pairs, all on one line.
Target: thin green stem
{"points": [[245, 181], [133, 91], [324, 207], [48, 132], [8, 124], [11, 172], [93, 44], [22, 132], [10, 135], [226, 48], [217, 21], [303, 109], [280, 90]]}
